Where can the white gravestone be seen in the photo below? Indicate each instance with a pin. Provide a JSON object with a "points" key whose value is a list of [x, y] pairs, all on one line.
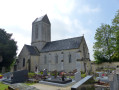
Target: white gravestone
{"points": [[78, 73], [117, 70], [111, 77]]}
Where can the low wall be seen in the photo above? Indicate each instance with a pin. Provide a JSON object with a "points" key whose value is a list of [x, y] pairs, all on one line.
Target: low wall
{"points": [[104, 65]]}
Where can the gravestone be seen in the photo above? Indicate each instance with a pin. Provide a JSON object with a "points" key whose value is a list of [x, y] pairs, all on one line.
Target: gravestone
{"points": [[16, 77], [77, 76], [36, 70], [111, 77], [100, 74], [3, 69], [45, 72], [114, 80], [78, 73]]}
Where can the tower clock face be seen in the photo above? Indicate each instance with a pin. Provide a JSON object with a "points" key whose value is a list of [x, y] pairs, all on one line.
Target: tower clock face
{"points": [[36, 31]]}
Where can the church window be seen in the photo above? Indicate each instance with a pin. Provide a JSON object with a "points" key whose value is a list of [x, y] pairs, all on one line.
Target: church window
{"points": [[23, 62], [84, 52], [56, 58], [45, 59], [69, 58], [36, 31]]}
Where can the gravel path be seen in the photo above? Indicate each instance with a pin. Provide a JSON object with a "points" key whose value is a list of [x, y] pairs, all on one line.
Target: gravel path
{"points": [[50, 87]]}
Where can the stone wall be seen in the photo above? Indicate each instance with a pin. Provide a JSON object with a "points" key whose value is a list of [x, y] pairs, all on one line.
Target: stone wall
{"points": [[52, 64], [23, 55], [104, 65], [48, 59], [43, 34], [34, 63]]}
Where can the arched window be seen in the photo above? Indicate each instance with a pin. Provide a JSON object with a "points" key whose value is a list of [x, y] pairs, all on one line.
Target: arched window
{"points": [[84, 52], [45, 59], [36, 31], [23, 62], [56, 58], [70, 58]]}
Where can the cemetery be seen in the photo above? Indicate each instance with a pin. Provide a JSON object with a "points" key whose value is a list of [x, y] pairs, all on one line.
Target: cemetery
{"points": [[63, 64], [101, 80]]}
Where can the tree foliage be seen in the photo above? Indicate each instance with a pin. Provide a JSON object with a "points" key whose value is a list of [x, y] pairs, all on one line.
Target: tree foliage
{"points": [[8, 48], [106, 47], [115, 24], [103, 47]]}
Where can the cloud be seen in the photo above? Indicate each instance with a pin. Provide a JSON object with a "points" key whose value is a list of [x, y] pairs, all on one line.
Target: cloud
{"points": [[17, 17], [87, 9]]}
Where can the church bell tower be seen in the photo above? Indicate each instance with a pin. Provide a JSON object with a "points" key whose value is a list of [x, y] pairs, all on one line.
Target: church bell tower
{"points": [[41, 32]]}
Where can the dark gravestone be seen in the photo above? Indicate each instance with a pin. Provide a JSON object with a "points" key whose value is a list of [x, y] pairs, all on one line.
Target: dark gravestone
{"points": [[45, 72], [17, 77]]}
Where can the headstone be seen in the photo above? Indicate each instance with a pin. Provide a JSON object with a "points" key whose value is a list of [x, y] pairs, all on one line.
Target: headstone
{"points": [[111, 77], [16, 77], [117, 70], [3, 69], [77, 76], [45, 72], [114, 83], [78, 73], [36, 70], [78, 66]]}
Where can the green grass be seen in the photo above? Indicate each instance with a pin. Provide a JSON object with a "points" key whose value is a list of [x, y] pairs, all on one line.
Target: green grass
{"points": [[3, 86], [83, 75], [72, 77]]}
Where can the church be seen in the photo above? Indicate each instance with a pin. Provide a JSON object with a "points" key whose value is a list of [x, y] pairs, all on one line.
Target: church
{"points": [[53, 55]]}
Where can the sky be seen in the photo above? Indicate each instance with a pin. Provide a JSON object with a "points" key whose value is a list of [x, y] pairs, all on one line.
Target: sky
{"points": [[69, 18]]}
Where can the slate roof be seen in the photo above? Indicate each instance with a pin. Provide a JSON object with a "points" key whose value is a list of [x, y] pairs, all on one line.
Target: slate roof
{"points": [[43, 18], [32, 50], [65, 44]]}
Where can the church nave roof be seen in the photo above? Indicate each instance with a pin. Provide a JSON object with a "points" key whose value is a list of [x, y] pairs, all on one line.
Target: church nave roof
{"points": [[65, 44]]}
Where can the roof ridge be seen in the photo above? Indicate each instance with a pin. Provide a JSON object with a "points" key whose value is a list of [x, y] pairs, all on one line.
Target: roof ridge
{"points": [[67, 39], [39, 18]]}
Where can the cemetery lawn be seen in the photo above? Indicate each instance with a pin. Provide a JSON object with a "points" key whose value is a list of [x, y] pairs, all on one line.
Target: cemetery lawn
{"points": [[3, 86], [83, 75]]}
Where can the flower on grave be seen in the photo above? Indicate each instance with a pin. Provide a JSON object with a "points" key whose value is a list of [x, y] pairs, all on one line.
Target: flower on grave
{"points": [[0, 76]]}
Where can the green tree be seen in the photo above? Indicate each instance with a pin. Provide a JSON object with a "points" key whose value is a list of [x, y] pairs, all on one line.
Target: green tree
{"points": [[8, 49], [115, 24], [103, 47]]}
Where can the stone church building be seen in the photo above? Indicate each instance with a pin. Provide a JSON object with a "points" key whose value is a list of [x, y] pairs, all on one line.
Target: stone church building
{"points": [[53, 55]]}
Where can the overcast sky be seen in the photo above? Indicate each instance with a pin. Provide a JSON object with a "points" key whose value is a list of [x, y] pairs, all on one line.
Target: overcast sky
{"points": [[69, 18]]}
